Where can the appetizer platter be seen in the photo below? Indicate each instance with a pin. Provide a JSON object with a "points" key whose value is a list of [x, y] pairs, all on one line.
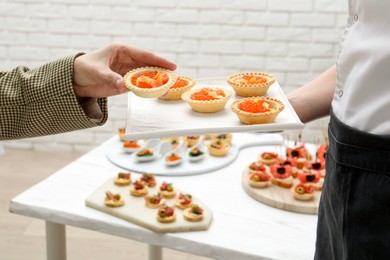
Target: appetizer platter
{"points": [[158, 206], [205, 106], [153, 155], [290, 180]]}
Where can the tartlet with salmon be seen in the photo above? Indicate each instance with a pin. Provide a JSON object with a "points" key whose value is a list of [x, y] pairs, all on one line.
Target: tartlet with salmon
{"points": [[150, 82], [181, 85], [251, 84], [207, 99], [257, 110]]}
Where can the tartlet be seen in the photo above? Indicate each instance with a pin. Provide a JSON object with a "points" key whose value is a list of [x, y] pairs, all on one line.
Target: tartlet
{"points": [[148, 179], [219, 148], [138, 189], [257, 167], [251, 84], [183, 201], [223, 137], [193, 213], [150, 82], [113, 200], [166, 214], [257, 110], [154, 201], [181, 85], [191, 140], [207, 99], [167, 190], [123, 179], [303, 191], [268, 158], [259, 180]]}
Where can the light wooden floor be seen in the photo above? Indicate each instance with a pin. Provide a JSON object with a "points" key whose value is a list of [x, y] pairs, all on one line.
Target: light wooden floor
{"points": [[23, 238]]}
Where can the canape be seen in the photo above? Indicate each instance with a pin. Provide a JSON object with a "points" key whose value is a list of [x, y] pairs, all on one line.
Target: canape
{"points": [[207, 99], [181, 85], [150, 82], [194, 213], [123, 179], [251, 84], [113, 200], [257, 110]]}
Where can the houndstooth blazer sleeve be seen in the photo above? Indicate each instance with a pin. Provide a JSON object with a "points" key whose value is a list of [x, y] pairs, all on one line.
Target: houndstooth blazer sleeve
{"points": [[41, 101]]}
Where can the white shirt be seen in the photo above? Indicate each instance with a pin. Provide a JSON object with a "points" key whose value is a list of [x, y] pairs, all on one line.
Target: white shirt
{"points": [[362, 96]]}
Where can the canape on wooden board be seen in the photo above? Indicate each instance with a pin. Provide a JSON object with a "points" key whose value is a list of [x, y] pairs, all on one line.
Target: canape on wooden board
{"points": [[303, 191], [259, 179], [281, 175]]}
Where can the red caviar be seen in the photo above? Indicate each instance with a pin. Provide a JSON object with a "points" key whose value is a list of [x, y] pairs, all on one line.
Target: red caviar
{"points": [[254, 106], [250, 79], [131, 144], [204, 94]]}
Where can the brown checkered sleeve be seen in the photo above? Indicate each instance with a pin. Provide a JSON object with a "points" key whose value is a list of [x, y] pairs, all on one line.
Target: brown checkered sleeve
{"points": [[41, 102]]}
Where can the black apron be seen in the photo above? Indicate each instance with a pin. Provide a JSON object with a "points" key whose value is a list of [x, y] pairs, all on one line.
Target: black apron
{"points": [[354, 211]]}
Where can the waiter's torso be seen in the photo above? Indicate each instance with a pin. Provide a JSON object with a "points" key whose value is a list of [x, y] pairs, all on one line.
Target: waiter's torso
{"points": [[362, 96]]}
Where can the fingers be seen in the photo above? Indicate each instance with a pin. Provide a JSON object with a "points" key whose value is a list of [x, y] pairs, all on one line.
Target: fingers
{"points": [[151, 59]]}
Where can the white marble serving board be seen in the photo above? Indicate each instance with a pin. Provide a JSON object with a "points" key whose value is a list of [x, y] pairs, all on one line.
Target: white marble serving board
{"points": [[137, 213], [208, 164], [154, 118]]}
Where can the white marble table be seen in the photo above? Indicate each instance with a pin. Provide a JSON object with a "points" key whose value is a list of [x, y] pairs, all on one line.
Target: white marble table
{"points": [[242, 227]]}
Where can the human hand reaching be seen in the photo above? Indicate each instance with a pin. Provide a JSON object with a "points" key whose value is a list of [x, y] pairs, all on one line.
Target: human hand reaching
{"points": [[100, 72]]}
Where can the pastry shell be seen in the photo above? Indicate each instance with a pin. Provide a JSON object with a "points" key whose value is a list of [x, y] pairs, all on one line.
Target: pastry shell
{"points": [[206, 106], [251, 90], [250, 118], [140, 192], [189, 216], [168, 194], [114, 203], [259, 184], [304, 197], [221, 150], [175, 93], [149, 92]]}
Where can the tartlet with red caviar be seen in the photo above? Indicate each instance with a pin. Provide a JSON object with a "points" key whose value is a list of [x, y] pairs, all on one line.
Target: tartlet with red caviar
{"points": [[181, 85], [251, 84], [207, 99], [257, 110], [150, 82]]}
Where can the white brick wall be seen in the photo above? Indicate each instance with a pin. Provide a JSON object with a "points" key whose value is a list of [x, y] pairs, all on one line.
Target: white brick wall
{"points": [[294, 40]]}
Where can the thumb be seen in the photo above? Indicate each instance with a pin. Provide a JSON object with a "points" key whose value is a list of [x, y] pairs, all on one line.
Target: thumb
{"points": [[114, 80]]}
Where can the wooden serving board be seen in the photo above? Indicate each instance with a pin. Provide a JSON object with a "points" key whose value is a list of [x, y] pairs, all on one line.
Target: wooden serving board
{"points": [[279, 197], [137, 213]]}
